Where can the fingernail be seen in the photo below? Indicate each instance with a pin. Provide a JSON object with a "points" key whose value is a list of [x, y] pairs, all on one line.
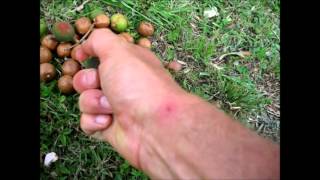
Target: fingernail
{"points": [[104, 102], [89, 77], [100, 119]]}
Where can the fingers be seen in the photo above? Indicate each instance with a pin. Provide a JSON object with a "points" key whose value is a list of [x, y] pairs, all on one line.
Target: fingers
{"points": [[93, 101], [100, 127], [90, 123], [86, 79]]}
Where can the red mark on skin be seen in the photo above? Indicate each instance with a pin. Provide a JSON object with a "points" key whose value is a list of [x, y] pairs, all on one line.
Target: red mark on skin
{"points": [[167, 111], [64, 27]]}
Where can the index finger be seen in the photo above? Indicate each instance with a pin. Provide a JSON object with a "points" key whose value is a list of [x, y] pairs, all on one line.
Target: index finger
{"points": [[79, 54]]}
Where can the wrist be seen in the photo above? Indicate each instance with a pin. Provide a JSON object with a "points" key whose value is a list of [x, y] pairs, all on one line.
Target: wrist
{"points": [[198, 141], [163, 153]]}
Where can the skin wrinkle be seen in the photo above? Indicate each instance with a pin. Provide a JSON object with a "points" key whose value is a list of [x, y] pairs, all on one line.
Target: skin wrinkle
{"points": [[154, 150], [159, 151], [171, 117], [186, 136], [134, 132]]}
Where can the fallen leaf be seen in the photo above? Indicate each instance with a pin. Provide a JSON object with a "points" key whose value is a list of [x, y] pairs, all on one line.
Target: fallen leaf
{"points": [[79, 8], [268, 53], [211, 12], [216, 66], [181, 62], [245, 53], [186, 70], [231, 26], [204, 74], [242, 54], [232, 53]]}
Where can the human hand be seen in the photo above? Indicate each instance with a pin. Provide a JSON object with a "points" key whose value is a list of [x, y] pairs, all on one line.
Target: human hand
{"points": [[136, 92], [133, 103]]}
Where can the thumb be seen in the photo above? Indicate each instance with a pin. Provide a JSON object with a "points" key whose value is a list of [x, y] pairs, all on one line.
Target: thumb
{"points": [[100, 44]]}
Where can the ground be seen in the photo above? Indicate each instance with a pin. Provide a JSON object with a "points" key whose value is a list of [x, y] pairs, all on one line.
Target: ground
{"points": [[245, 87]]}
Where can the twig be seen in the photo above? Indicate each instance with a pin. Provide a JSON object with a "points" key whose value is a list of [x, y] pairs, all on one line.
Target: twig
{"points": [[250, 120], [277, 114], [87, 34], [216, 66], [76, 44], [83, 38], [260, 128]]}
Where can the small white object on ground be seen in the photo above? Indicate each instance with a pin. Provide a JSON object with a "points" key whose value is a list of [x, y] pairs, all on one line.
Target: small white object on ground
{"points": [[186, 70], [268, 53], [50, 158], [182, 62], [79, 8], [211, 12]]}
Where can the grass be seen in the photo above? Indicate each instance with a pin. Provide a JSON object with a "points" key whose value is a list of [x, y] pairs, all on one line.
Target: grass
{"points": [[246, 88]]}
